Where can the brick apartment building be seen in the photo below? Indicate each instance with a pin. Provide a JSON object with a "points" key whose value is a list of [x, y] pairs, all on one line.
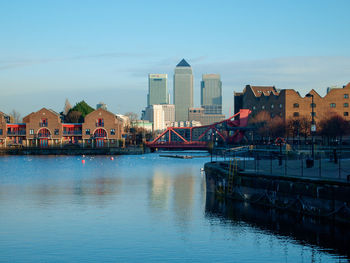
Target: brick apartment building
{"points": [[289, 104], [45, 128]]}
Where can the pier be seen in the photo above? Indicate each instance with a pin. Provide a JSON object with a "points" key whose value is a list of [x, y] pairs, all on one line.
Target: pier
{"points": [[269, 184]]}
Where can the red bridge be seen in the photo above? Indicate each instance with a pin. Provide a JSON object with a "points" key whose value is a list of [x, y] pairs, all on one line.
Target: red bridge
{"points": [[224, 132]]}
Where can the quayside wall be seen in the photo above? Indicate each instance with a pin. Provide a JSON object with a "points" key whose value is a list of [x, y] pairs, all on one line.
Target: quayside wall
{"points": [[311, 196], [71, 151]]}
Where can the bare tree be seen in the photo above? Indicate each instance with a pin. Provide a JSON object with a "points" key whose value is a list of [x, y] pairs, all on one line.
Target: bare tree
{"points": [[15, 116], [133, 117], [67, 107]]}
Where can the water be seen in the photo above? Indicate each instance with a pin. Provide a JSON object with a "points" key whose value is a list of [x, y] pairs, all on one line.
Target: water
{"points": [[136, 209]]}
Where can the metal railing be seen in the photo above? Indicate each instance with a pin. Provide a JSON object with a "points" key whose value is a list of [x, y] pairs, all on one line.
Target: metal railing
{"points": [[43, 124], [72, 133], [16, 133], [329, 165]]}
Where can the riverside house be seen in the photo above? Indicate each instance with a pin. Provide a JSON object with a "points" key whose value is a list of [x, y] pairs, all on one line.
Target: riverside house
{"points": [[45, 128]]}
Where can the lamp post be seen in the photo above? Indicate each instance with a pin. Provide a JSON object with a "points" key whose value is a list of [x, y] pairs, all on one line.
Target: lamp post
{"points": [[313, 126]]}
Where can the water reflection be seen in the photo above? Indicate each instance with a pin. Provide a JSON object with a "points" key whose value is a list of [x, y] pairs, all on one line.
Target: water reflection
{"points": [[308, 231]]}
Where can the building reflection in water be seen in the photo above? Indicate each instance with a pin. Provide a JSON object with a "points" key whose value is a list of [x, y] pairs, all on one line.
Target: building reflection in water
{"points": [[159, 191], [319, 234], [173, 192]]}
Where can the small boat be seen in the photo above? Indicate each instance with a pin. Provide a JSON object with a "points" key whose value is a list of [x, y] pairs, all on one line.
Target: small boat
{"points": [[176, 156]]}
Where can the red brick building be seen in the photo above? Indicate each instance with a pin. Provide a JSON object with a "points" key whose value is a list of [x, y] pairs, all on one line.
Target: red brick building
{"points": [[289, 104], [44, 128], [102, 128]]}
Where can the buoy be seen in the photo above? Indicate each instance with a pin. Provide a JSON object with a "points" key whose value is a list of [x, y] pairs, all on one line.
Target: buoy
{"points": [[112, 158], [83, 161]]}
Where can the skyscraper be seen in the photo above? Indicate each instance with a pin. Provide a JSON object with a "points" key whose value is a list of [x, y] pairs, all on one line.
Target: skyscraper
{"points": [[157, 89], [183, 90], [211, 94]]}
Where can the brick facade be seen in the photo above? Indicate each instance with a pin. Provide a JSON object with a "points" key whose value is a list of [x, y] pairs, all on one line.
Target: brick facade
{"points": [[289, 104], [44, 128]]}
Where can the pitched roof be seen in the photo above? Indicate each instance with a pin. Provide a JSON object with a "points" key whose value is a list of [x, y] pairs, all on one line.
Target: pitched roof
{"points": [[266, 90], [183, 63]]}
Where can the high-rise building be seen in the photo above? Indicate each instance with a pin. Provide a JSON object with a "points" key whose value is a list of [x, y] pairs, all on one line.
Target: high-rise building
{"points": [[183, 90], [157, 89], [161, 115], [211, 94]]}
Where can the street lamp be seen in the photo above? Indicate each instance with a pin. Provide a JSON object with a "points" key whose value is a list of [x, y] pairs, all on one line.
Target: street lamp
{"points": [[313, 125]]}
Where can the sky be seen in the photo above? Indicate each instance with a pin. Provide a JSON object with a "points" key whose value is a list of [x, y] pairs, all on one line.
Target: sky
{"points": [[104, 50]]}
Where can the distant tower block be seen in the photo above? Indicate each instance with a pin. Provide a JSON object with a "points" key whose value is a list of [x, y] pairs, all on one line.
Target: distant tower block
{"points": [[157, 89], [183, 90]]}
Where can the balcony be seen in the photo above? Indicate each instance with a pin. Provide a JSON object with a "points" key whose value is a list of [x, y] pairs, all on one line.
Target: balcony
{"points": [[43, 124], [100, 124], [72, 133], [16, 133]]}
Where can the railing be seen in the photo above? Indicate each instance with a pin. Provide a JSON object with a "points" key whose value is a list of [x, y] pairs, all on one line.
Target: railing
{"points": [[43, 135], [43, 124], [101, 124], [16, 133], [72, 133]]}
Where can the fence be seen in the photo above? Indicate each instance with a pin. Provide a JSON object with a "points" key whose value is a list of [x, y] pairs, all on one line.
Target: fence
{"points": [[327, 165]]}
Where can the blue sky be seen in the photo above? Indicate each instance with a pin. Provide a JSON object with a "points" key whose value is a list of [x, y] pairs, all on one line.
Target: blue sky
{"points": [[103, 50]]}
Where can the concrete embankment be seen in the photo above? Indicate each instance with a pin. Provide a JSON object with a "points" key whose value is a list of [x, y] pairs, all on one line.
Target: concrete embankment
{"points": [[312, 196], [71, 151]]}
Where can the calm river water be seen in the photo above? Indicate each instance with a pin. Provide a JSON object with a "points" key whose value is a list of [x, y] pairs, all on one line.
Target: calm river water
{"points": [[141, 209]]}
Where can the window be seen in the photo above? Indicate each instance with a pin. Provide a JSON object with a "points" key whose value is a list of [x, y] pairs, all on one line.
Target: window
{"points": [[281, 106], [56, 132], [112, 131], [0, 131], [263, 107], [346, 105], [87, 131], [31, 131], [313, 114], [43, 123], [332, 105], [296, 105], [272, 115], [346, 113], [100, 123], [272, 106], [312, 105], [296, 114], [346, 96]]}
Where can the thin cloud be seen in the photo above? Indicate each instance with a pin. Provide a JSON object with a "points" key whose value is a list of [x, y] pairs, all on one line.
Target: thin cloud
{"points": [[22, 62]]}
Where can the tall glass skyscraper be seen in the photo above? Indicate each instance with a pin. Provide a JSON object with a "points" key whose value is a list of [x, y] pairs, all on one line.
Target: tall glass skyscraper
{"points": [[157, 89], [183, 90], [211, 94]]}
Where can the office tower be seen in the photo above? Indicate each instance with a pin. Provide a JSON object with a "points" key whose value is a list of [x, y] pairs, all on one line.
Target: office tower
{"points": [[157, 89], [211, 94], [183, 90]]}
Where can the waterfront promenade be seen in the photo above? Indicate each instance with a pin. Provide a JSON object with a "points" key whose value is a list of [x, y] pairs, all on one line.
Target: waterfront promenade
{"points": [[322, 169]]}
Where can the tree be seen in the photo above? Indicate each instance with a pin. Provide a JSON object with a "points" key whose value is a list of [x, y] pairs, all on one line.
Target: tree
{"points": [[15, 116], [334, 126], [133, 117], [260, 123], [67, 107], [74, 117], [276, 127], [81, 107]]}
